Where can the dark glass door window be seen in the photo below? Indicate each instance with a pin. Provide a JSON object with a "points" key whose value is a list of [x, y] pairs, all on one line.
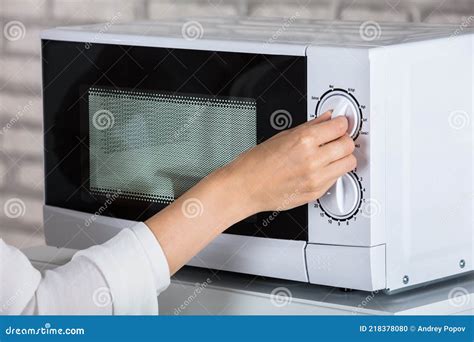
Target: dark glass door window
{"points": [[145, 124]]}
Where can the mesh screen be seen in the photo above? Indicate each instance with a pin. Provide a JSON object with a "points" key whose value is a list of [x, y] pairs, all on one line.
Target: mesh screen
{"points": [[155, 146]]}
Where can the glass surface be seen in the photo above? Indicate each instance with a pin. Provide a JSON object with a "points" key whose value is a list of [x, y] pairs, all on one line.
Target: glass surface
{"points": [[71, 71], [154, 146]]}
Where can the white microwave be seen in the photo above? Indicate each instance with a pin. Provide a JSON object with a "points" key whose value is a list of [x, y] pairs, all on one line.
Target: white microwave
{"points": [[135, 114]]}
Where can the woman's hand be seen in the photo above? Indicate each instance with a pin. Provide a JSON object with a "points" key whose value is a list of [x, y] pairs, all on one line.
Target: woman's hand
{"points": [[292, 168], [295, 166]]}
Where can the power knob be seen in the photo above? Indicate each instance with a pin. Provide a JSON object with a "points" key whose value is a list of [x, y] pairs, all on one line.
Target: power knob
{"points": [[342, 104], [343, 199]]}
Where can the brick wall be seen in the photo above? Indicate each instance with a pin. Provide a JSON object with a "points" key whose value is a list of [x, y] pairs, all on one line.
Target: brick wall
{"points": [[21, 175]]}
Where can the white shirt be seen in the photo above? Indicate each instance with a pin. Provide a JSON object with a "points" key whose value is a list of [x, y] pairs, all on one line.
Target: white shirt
{"points": [[123, 277]]}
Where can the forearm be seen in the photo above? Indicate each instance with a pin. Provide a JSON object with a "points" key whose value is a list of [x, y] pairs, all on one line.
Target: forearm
{"points": [[299, 164], [187, 225]]}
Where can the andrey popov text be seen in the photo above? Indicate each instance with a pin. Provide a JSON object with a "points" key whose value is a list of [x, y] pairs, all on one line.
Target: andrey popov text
{"points": [[438, 329]]}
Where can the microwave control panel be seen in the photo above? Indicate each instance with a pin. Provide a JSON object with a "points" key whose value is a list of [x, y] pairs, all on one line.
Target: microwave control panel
{"points": [[336, 82], [343, 200]]}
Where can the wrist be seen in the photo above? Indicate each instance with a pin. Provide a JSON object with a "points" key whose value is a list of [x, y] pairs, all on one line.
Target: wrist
{"points": [[235, 192]]}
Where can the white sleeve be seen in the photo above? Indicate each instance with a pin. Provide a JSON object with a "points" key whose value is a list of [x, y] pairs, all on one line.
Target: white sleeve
{"points": [[122, 276]]}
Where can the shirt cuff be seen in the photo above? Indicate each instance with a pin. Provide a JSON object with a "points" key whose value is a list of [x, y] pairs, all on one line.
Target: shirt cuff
{"points": [[125, 267], [155, 255]]}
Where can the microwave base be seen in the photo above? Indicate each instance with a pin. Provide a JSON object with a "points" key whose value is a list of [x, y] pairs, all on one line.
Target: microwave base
{"points": [[358, 268], [283, 259]]}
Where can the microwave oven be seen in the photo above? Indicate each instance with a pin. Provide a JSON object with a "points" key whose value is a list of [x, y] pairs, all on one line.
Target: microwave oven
{"points": [[137, 113]]}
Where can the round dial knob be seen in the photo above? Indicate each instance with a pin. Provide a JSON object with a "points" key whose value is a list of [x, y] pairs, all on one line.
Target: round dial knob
{"points": [[342, 200], [342, 104]]}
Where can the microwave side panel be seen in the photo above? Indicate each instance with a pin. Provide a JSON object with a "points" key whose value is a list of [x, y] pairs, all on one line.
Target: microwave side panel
{"points": [[425, 93]]}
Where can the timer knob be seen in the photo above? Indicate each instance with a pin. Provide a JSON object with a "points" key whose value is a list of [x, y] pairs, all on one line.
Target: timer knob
{"points": [[342, 104], [342, 200]]}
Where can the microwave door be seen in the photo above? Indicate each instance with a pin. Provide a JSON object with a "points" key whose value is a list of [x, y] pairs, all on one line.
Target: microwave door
{"points": [[174, 120]]}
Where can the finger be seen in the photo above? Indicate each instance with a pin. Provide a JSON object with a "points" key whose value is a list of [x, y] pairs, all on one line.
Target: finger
{"points": [[336, 150], [323, 189], [327, 185], [341, 167], [330, 130], [323, 117]]}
